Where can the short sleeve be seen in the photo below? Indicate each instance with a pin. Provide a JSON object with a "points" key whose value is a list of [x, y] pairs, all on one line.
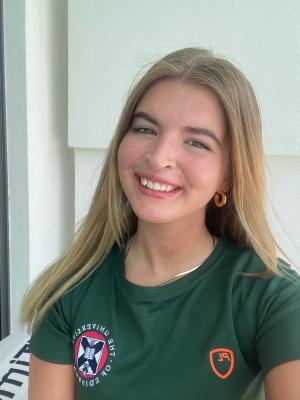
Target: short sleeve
{"points": [[278, 329], [52, 340]]}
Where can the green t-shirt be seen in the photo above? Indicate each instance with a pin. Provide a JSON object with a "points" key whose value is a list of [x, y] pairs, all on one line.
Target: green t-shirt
{"points": [[213, 334]]}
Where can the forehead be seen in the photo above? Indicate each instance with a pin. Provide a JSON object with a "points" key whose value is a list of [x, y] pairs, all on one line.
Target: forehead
{"points": [[183, 102]]}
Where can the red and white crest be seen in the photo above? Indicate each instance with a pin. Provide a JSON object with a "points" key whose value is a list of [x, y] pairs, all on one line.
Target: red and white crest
{"points": [[222, 362]]}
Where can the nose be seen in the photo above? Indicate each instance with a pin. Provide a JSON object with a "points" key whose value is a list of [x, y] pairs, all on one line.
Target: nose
{"points": [[162, 154]]}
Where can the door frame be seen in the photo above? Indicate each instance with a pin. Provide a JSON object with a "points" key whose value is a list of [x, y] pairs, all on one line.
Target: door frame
{"points": [[4, 262]]}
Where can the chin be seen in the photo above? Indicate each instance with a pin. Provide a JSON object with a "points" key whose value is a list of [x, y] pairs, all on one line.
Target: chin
{"points": [[162, 216], [154, 218]]}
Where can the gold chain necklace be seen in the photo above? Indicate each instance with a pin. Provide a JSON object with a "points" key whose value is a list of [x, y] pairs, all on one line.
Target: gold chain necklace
{"points": [[184, 273], [181, 274]]}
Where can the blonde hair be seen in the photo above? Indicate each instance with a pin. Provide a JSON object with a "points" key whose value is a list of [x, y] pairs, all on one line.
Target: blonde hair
{"points": [[110, 217]]}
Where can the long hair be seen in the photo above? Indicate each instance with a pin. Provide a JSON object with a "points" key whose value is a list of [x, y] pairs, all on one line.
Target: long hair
{"points": [[110, 217]]}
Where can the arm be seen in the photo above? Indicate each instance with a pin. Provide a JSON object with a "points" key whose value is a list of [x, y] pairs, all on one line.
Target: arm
{"points": [[50, 381], [283, 382]]}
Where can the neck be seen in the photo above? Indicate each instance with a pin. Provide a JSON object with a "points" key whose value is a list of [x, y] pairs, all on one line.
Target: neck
{"points": [[158, 251]]}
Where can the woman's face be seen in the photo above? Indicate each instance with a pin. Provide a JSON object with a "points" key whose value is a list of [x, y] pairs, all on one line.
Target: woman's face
{"points": [[174, 156]]}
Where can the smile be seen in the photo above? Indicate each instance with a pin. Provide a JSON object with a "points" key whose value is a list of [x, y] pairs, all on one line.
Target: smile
{"points": [[156, 186]]}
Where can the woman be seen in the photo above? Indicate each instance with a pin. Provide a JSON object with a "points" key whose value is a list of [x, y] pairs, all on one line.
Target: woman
{"points": [[172, 288]]}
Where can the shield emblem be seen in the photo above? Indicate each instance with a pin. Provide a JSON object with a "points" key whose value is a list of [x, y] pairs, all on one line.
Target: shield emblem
{"points": [[222, 362], [89, 355]]}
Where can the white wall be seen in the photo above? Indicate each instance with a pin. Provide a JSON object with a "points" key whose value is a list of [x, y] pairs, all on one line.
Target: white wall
{"points": [[110, 42], [40, 165], [50, 162], [88, 164], [284, 210]]}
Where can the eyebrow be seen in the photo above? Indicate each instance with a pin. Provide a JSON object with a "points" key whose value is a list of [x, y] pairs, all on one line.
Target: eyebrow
{"points": [[204, 131], [147, 117]]}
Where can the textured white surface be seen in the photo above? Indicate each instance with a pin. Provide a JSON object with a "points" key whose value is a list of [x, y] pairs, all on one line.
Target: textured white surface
{"points": [[88, 164], [110, 41], [284, 193]]}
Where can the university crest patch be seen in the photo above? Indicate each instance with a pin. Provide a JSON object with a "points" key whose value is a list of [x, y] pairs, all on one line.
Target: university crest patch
{"points": [[94, 352]]}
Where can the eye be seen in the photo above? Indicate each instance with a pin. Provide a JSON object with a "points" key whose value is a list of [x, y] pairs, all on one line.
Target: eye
{"points": [[143, 130], [197, 144]]}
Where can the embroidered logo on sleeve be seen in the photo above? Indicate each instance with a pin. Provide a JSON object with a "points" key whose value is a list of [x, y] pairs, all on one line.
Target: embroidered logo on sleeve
{"points": [[94, 352], [222, 362]]}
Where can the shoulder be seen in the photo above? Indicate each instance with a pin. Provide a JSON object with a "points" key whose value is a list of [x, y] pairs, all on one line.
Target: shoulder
{"points": [[260, 296], [266, 309], [57, 326], [237, 261], [243, 261], [96, 280]]}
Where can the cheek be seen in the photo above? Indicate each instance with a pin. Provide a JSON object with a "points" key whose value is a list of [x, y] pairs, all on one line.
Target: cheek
{"points": [[130, 151], [120, 156], [121, 159], [127, 157], [124, 154], [205, 170], [126, 149], [198, 168]]}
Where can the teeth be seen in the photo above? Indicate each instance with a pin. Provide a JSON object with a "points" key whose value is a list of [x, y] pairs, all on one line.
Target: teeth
{"points": [[156, 185]]}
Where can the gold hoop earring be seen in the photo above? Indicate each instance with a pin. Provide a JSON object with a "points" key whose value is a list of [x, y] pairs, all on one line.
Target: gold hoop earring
{"points": [[220, 199]]}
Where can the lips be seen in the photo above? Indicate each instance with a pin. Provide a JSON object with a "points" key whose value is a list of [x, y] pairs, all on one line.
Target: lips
{"points": [[156, 187], [156, 183]]}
